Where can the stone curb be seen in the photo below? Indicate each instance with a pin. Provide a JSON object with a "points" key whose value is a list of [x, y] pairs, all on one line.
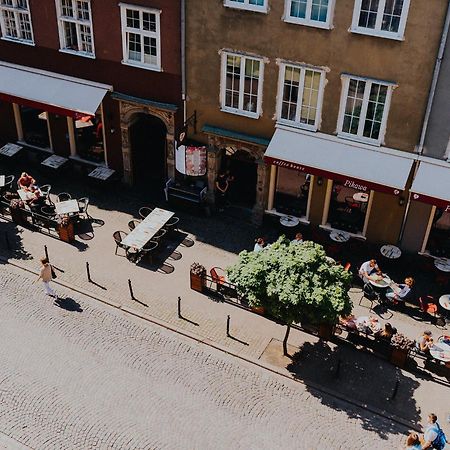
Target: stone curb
{"points": [[221, 348]]}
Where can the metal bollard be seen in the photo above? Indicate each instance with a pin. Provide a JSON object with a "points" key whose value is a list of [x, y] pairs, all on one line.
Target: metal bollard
{"points": [[131, 290], [228, 326], [179, 308], [88, 272], [46, 253]]}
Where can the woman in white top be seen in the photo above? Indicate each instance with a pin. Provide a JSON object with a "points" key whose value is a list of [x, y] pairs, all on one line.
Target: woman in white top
{"points": [[259, 245], [46, 276]]}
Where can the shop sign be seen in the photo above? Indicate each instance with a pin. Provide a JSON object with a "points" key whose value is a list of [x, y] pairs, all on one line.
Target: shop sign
{"points": [[354, 183], [442, 204], [195, 161]]}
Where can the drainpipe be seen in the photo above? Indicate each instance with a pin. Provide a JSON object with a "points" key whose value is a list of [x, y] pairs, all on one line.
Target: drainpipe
{"points": [[183, 58], [437, 69]]}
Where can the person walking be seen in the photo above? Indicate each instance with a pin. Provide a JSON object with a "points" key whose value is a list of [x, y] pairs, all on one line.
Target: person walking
{"points": [[434, 437], [46, 274]]}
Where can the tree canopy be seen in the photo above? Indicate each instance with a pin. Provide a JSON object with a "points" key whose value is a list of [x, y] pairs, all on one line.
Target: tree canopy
{"points": [[293, 282]]}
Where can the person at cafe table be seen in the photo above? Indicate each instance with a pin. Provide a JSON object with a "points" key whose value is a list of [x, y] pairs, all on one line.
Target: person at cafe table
{"points": [[400, 292], [368, 269], [27, 182]]}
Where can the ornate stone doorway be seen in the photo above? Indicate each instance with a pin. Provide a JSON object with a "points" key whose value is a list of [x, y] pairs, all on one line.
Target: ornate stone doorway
{"points": [[141, 124]]}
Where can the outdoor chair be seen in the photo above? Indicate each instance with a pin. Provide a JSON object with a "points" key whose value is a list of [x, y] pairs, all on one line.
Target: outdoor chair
{"points": [[159, 235], [218, 276], [48, 211], [83, 204], [9, 179], [132, 224], [45, 190], [145, 211], [370, 294], [428, 307], [172, 224], [63, 196], [148, 251], [119, 236]]}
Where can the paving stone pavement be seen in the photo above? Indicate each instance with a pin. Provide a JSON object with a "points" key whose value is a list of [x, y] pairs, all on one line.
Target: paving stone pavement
{"points": [[98, 378]]}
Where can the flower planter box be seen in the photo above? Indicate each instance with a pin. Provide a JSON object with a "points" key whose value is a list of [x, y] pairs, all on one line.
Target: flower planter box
{"points": [[197, 282], [326, 331], [66, 232], [18, 216], [399, 356]]}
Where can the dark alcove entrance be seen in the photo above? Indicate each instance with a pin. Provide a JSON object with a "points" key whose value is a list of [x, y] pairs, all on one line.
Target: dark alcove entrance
{"points": [[148, 150]]}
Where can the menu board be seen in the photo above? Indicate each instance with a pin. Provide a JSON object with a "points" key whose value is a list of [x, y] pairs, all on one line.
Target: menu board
{"points": [[195, 161]]}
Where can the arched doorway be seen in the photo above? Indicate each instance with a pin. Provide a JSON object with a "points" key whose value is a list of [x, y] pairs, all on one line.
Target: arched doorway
{"points": [[148, 153], [243, 168]]}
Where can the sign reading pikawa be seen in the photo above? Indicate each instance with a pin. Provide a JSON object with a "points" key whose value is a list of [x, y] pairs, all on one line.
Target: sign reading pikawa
{"points": [[354, 183]]}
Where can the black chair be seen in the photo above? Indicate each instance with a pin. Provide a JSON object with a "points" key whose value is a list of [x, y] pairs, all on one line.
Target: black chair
{"points": [[9, 179], [172, 224], [370, 294], [45, 191], [159, 235], [63, 196], [83, 204], [132, 224], [119, 236], [145, 211], [148, 251], [48, 211]]}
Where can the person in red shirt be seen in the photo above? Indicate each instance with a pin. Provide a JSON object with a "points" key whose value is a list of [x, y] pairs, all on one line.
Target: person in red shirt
{"points": [[27, 182]]}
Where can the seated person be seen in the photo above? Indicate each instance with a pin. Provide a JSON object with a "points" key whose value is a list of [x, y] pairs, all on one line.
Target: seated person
{"points": [[259, 245], [387, 332], [425, 342], [402, 291], [298, 239], [368, 269], [26, 182], [413, 442]]}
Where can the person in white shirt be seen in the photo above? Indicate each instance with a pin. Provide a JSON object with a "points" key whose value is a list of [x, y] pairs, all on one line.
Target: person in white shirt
{"points": [[368, 269], [259, 245], [432, 431], [401, 290], [298, 239]]}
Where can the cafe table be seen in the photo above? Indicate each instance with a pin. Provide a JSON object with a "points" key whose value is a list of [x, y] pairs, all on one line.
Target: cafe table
{"points": [[441, 350], [380, 281], [442, 264], [146, 229], [67, 207], [444, 301], [102, 173], [367, 324], [289, 221], [27, 196], [390, 251], [54, 162], [339, 236], [9, 150], [2, 180]]}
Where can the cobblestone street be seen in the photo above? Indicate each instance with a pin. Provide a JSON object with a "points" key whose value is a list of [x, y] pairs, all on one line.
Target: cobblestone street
{"points": [[86, 376]]}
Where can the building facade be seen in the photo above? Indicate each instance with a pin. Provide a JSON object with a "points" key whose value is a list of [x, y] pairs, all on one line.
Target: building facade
{"points": [[94, 80], [315, 106], [427, 225]]}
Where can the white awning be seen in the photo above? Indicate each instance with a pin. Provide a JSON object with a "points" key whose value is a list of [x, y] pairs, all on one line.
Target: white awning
{"points": [[358, 166], [50, 91], [432, 184]]}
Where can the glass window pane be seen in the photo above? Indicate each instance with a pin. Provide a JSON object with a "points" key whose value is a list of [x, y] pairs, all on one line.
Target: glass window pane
{"points": [[298, 8], [368, 13], [392, 14], [319, 10], [133, 18]]}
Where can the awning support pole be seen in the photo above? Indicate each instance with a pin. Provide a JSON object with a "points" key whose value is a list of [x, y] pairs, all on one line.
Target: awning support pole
{"points": [[428, 230], [71, 130], [18, 120], [273, 177]]}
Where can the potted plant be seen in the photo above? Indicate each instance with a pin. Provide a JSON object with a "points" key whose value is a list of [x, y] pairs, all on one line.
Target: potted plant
{"points": [[197, 276], [400, 348], [16, 207], [65, 229]]}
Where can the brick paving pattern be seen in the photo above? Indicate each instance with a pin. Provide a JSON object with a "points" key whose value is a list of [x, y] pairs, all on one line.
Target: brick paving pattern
{"points": [[101, 379]]}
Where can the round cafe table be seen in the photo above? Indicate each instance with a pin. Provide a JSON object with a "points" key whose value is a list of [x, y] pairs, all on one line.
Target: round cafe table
{"points": [[289, 221], [365, 325], [442, 264], [444, 301], [361, 197], [339, 236], [380, 282], [390, 251], [441, 350]]}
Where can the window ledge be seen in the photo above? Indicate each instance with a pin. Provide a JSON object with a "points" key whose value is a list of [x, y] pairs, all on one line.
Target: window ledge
{"points": [[328, 227], [77, 53], [297, 125], [376, 33], [308, 23], [238, 112], [273, 212], [263, 10], [351, 137], [18, 41], [142, 66]]}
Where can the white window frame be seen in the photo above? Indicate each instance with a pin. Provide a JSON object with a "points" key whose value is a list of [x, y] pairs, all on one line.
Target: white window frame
{"points": [[328, 24], [246, 5], [16, 10], [77, 22], [238, 111], [344, 94], [151, 34], [377, 31], [297, 122]]}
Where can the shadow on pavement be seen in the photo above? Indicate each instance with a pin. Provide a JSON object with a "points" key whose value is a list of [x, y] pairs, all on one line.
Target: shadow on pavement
{"points": [[69, 304], [11, 241]]}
